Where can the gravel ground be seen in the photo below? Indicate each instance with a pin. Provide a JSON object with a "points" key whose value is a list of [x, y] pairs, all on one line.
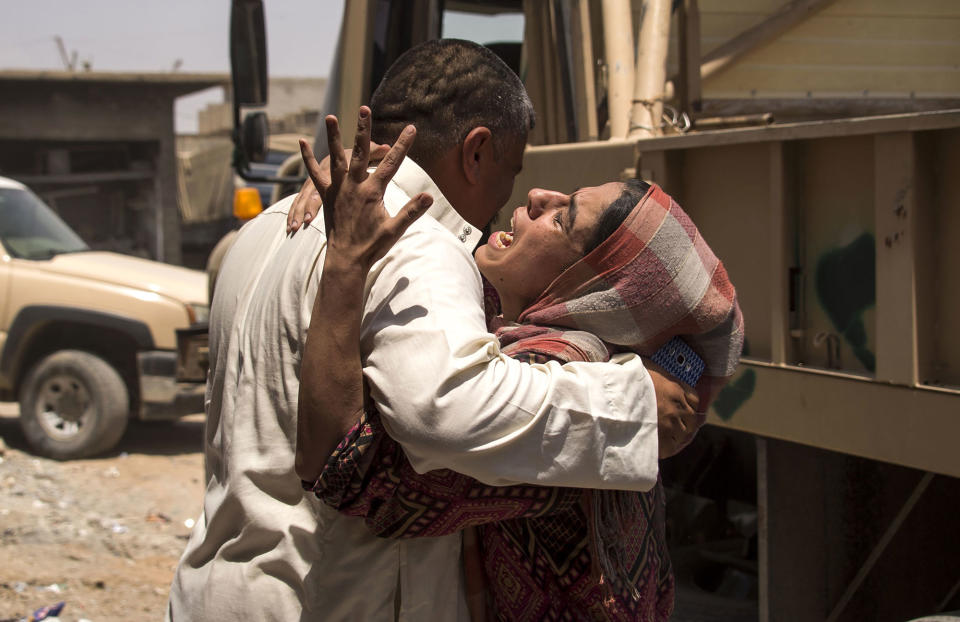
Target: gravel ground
{"points": [[102, 535]]}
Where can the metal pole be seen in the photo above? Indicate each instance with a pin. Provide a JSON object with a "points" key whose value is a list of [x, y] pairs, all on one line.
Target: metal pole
{"points": [[654, 40], [583, 66], [618, 47], [689, 85]]}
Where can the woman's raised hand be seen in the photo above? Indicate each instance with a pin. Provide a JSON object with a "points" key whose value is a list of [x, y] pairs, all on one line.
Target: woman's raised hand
{"points": [[359, 228]]}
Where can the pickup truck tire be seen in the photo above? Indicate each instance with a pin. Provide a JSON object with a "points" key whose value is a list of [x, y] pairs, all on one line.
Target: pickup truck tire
{"points": [[73, 404]]}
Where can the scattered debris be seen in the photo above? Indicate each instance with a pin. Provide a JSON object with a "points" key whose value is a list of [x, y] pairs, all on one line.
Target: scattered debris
{"points": [[46, 613], [101, 534]]}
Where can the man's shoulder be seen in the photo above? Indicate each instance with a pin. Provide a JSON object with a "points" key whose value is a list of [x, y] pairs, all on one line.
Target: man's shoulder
{"points": [[429, 255], [425, 230], [429, 238], [282, 206]]}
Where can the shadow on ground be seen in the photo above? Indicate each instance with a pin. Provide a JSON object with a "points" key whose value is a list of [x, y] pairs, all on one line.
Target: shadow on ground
{"points": [[158, 438]]}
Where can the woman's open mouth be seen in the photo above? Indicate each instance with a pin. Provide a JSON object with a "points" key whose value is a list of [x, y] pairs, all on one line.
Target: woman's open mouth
{"points": [[500, 239]]}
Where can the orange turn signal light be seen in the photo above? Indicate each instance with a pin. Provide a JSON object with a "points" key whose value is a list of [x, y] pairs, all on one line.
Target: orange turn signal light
{"points": [[246, 203]]}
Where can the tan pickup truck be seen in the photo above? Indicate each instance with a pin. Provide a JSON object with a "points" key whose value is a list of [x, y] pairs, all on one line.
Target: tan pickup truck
{"points": [[87, 338]]}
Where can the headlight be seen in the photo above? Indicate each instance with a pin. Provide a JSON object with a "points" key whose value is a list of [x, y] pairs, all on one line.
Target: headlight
{"points": [[198, 313]]}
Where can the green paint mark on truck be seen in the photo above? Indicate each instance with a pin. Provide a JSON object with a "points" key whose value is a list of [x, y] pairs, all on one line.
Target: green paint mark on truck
{"points": [[846, 286], [735, 394]]}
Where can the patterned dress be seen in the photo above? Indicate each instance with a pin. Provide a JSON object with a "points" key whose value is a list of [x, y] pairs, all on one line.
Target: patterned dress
{"points": [[536, 547]]}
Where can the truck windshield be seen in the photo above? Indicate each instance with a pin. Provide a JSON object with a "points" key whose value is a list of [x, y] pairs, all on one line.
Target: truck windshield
{"points": [[31, 230]]}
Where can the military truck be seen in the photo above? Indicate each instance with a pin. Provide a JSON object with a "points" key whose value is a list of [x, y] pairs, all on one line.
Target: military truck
{"points": [[87, 338], [824, 486]]}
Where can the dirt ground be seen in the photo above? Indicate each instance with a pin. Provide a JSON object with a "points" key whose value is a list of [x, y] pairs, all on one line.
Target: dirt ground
{"points": [[105, 535], [102, 535]]}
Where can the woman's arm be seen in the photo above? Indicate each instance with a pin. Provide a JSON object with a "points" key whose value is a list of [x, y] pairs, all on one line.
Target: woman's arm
{"points": [[359, 231]]}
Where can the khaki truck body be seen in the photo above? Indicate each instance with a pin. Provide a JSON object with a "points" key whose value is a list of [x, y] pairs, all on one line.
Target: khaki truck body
{"points": [[87, 338]]}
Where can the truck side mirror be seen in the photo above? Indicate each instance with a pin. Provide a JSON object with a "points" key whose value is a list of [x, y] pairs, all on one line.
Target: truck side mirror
{"points": [[248, 53], [254, 137], [248, 72]]}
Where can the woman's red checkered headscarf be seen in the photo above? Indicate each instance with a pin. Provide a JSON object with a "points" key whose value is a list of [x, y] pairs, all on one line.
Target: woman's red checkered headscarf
{"points": [[653, 279]]}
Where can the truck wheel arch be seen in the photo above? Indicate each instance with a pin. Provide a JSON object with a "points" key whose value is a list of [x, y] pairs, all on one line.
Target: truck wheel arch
{"points": [[32, 323]]}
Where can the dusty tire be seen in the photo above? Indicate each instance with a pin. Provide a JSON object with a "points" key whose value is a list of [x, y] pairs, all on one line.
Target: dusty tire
{"points": [[73, 404]]}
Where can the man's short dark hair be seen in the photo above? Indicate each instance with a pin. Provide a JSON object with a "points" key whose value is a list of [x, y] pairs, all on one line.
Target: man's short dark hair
{"points": [[447, 87]]}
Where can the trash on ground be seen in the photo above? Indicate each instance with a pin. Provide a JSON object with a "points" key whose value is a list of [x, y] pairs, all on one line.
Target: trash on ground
{"points": [[47, 613], [113, 525]]}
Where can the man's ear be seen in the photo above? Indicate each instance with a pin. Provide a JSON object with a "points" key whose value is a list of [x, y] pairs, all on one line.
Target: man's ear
{"points": [[477, 149]]}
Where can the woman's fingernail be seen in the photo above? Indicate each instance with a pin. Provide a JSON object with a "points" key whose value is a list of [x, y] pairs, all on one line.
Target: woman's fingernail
{"points": [[306, 218], [293, 224]]}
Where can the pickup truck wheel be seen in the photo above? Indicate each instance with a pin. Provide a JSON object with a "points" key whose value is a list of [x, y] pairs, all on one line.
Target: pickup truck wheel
{"points": [[73, 404]]}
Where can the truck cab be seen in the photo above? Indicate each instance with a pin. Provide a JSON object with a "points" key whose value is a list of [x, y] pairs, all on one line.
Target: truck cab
{"points": [[87, 338]]}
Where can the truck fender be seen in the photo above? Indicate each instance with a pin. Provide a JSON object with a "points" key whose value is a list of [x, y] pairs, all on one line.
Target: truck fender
{"points": [[31, 319]]}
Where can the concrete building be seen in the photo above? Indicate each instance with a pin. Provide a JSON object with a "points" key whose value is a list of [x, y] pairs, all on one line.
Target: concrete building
{"points": [[293, 106], [99, 148]]}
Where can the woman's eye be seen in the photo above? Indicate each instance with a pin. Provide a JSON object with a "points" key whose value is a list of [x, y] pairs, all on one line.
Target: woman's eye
{"points": [[558, 218]]}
